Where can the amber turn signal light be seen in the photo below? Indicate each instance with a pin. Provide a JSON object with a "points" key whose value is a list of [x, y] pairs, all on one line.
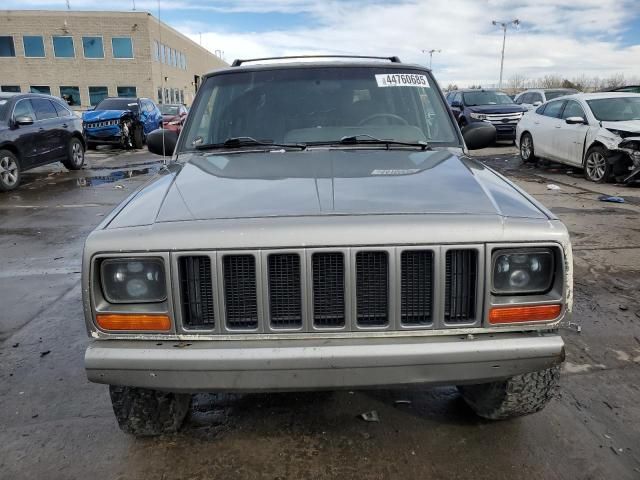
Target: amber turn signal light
{"points": [[536, 313], [133, 322]]}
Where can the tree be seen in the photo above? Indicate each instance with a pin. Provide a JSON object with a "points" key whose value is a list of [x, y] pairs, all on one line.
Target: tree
{"points": [[517, 82], [451, 86]]}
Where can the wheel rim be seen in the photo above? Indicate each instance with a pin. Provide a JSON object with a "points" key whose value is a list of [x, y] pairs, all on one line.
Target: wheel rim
{"points": [[77, 154], [8, 171], [596, 166], [525, 148]]}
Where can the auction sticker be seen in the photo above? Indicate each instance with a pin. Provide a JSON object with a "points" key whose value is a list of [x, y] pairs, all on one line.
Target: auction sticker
{"points": [[402, 80]]}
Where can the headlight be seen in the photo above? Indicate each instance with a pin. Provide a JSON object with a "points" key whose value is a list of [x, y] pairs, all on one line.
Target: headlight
{"points": [[478, 116], [522, 271], [133, 280]]}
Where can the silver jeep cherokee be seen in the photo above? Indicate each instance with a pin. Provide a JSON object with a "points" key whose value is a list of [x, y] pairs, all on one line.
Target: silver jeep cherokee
{"points": [[321, 227]]}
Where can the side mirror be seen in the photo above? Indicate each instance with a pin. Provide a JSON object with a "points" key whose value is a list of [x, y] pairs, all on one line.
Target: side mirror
{"points": [[479, 135], [91, 108], [162, 142], [575, 121], [24, 120], [537, 103], [456, 104]]}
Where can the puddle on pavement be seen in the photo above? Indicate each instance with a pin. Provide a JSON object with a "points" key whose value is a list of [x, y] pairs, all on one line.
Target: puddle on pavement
{"points": [[113, 177]]}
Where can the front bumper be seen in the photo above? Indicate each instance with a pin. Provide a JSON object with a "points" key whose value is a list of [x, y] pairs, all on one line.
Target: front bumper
{"points": [[325, 363]]}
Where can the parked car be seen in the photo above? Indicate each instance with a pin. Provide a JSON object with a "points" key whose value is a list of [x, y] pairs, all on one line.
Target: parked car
{"points": [[35, 130], [628, 88], [301, 240], [599, 132], [173, 116], [492, 106], [537, 96], [123, 121]]}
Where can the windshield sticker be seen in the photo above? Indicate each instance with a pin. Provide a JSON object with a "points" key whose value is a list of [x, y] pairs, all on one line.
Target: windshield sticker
{"points": [[402, 80], [407, 171]]}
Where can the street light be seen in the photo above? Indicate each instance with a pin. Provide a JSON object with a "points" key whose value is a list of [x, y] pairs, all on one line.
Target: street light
{"points": [[431, 52], [504, 26]]}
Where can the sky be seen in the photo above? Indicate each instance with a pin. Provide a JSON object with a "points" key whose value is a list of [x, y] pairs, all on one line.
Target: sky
{"points": [[565, 37]]}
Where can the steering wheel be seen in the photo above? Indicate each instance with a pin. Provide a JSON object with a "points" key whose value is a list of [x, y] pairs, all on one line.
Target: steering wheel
{"points": [[383, 115]]}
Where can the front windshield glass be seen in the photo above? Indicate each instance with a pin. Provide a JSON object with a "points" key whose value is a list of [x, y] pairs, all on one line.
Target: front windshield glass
{"points": [[472, 99], [118, 104], [551, 94], [169, 109], [319, 105], [618, 109]]}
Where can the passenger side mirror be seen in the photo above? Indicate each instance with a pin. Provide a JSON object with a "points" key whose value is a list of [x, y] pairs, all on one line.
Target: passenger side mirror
{"points": [[575, 121], [24, 120], [479, 135], [162, 142], [537, 103]]}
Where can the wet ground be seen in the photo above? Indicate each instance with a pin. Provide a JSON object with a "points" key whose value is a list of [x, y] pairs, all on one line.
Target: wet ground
{"points": [[56, 425]]}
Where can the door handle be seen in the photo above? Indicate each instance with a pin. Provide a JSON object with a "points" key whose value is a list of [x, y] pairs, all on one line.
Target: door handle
{"points": [[536, 123], [65, 125], [558, 126], [41, 129]]}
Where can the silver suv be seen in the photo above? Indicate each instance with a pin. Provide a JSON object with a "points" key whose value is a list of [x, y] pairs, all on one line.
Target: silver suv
{"points": [[537, 96], [321, 227]]}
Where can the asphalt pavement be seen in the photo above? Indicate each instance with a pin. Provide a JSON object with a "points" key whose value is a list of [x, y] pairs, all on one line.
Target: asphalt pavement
{"points": [[56, 425]]}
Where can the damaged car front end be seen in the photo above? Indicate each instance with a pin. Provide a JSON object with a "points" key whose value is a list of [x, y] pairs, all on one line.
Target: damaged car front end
{"points": [[112, 127]]}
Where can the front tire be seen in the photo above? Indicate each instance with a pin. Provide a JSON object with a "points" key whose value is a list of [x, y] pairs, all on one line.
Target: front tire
{"points": [[10, 172], [520, 395], [527, 153], [147, 413], [596, 166], [75, 155], [138, 138]]}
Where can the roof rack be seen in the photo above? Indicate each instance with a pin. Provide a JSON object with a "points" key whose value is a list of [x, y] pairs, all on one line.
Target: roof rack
{"points": [[238, 62]]}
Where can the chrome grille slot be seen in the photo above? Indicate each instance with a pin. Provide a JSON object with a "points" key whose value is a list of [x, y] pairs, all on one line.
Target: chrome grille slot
{"points": [[372, 288], [461, 277], [240, 291], [416, 287], [285, 296], [196, 289], [328, 289]]}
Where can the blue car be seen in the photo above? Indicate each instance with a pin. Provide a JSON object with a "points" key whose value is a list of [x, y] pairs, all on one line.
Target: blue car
{"points": [[123, 121]]}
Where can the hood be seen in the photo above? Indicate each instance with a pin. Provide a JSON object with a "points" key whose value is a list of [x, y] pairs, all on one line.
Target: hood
{"points": [[170, 118], [632, 126], [325, 182], [498, 108], [100, 115]]}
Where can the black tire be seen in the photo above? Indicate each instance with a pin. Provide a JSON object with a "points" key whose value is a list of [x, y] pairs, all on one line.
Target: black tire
{"points": [[147, 413], [596, 165], [462, 123], [526, 144], [10, 171], [138, 138], [75, 155], [517, 396]]}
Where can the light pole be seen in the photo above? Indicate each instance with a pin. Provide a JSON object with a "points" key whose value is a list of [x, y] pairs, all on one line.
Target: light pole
{"points": [[431, 52], [504, 26]]}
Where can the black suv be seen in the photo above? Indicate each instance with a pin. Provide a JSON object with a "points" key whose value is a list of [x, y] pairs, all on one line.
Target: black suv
{"points": [[493, 106], [35, 130]]}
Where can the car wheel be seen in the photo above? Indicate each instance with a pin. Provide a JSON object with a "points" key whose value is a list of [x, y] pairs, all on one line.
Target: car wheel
{"points": [[9, 171], [596, 166], [527, 154], [138, 138], [514, 397], [75, 158], [147, 413]]}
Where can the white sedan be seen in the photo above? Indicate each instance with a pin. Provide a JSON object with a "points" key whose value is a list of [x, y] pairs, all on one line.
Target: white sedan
{"points": [[599, 132]]}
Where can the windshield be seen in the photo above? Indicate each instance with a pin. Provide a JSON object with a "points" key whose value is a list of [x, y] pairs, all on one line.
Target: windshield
{"points": [[118, 104], [618, 109], [551, 94], [169, 109], [319, 105], [472, 99]]}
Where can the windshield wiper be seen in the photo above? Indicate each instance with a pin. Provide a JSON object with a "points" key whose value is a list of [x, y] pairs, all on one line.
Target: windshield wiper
{"points": [[240, 142], [366, 139]]}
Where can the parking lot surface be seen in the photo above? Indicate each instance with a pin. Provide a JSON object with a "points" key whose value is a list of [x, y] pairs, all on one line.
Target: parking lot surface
{"points": [[56, 425]]}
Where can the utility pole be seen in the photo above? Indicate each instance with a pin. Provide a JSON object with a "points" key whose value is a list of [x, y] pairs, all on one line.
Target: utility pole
{"points": [[504, 26], [431, 52]]}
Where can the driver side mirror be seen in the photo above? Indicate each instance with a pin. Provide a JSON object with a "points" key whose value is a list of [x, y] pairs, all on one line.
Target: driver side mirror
{"points": [[162, 142], [24, 120], [456, 104], [576, 121], [537, 103], [479, 135]]}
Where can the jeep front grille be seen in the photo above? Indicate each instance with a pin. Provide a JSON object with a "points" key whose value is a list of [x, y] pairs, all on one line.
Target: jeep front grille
{"points": [[329, 289]]}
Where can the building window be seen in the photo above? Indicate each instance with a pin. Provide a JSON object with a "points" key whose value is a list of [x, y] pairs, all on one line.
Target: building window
{"points": [[33, 46], [159, 94], [40, 89], [97, 94], [182, 96], [127, 92], [93, 47], [122, 47], [156, 49], [184, 58], [63, 47], [71, 95], [10, 88], [7, 49], [166, 95]]}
